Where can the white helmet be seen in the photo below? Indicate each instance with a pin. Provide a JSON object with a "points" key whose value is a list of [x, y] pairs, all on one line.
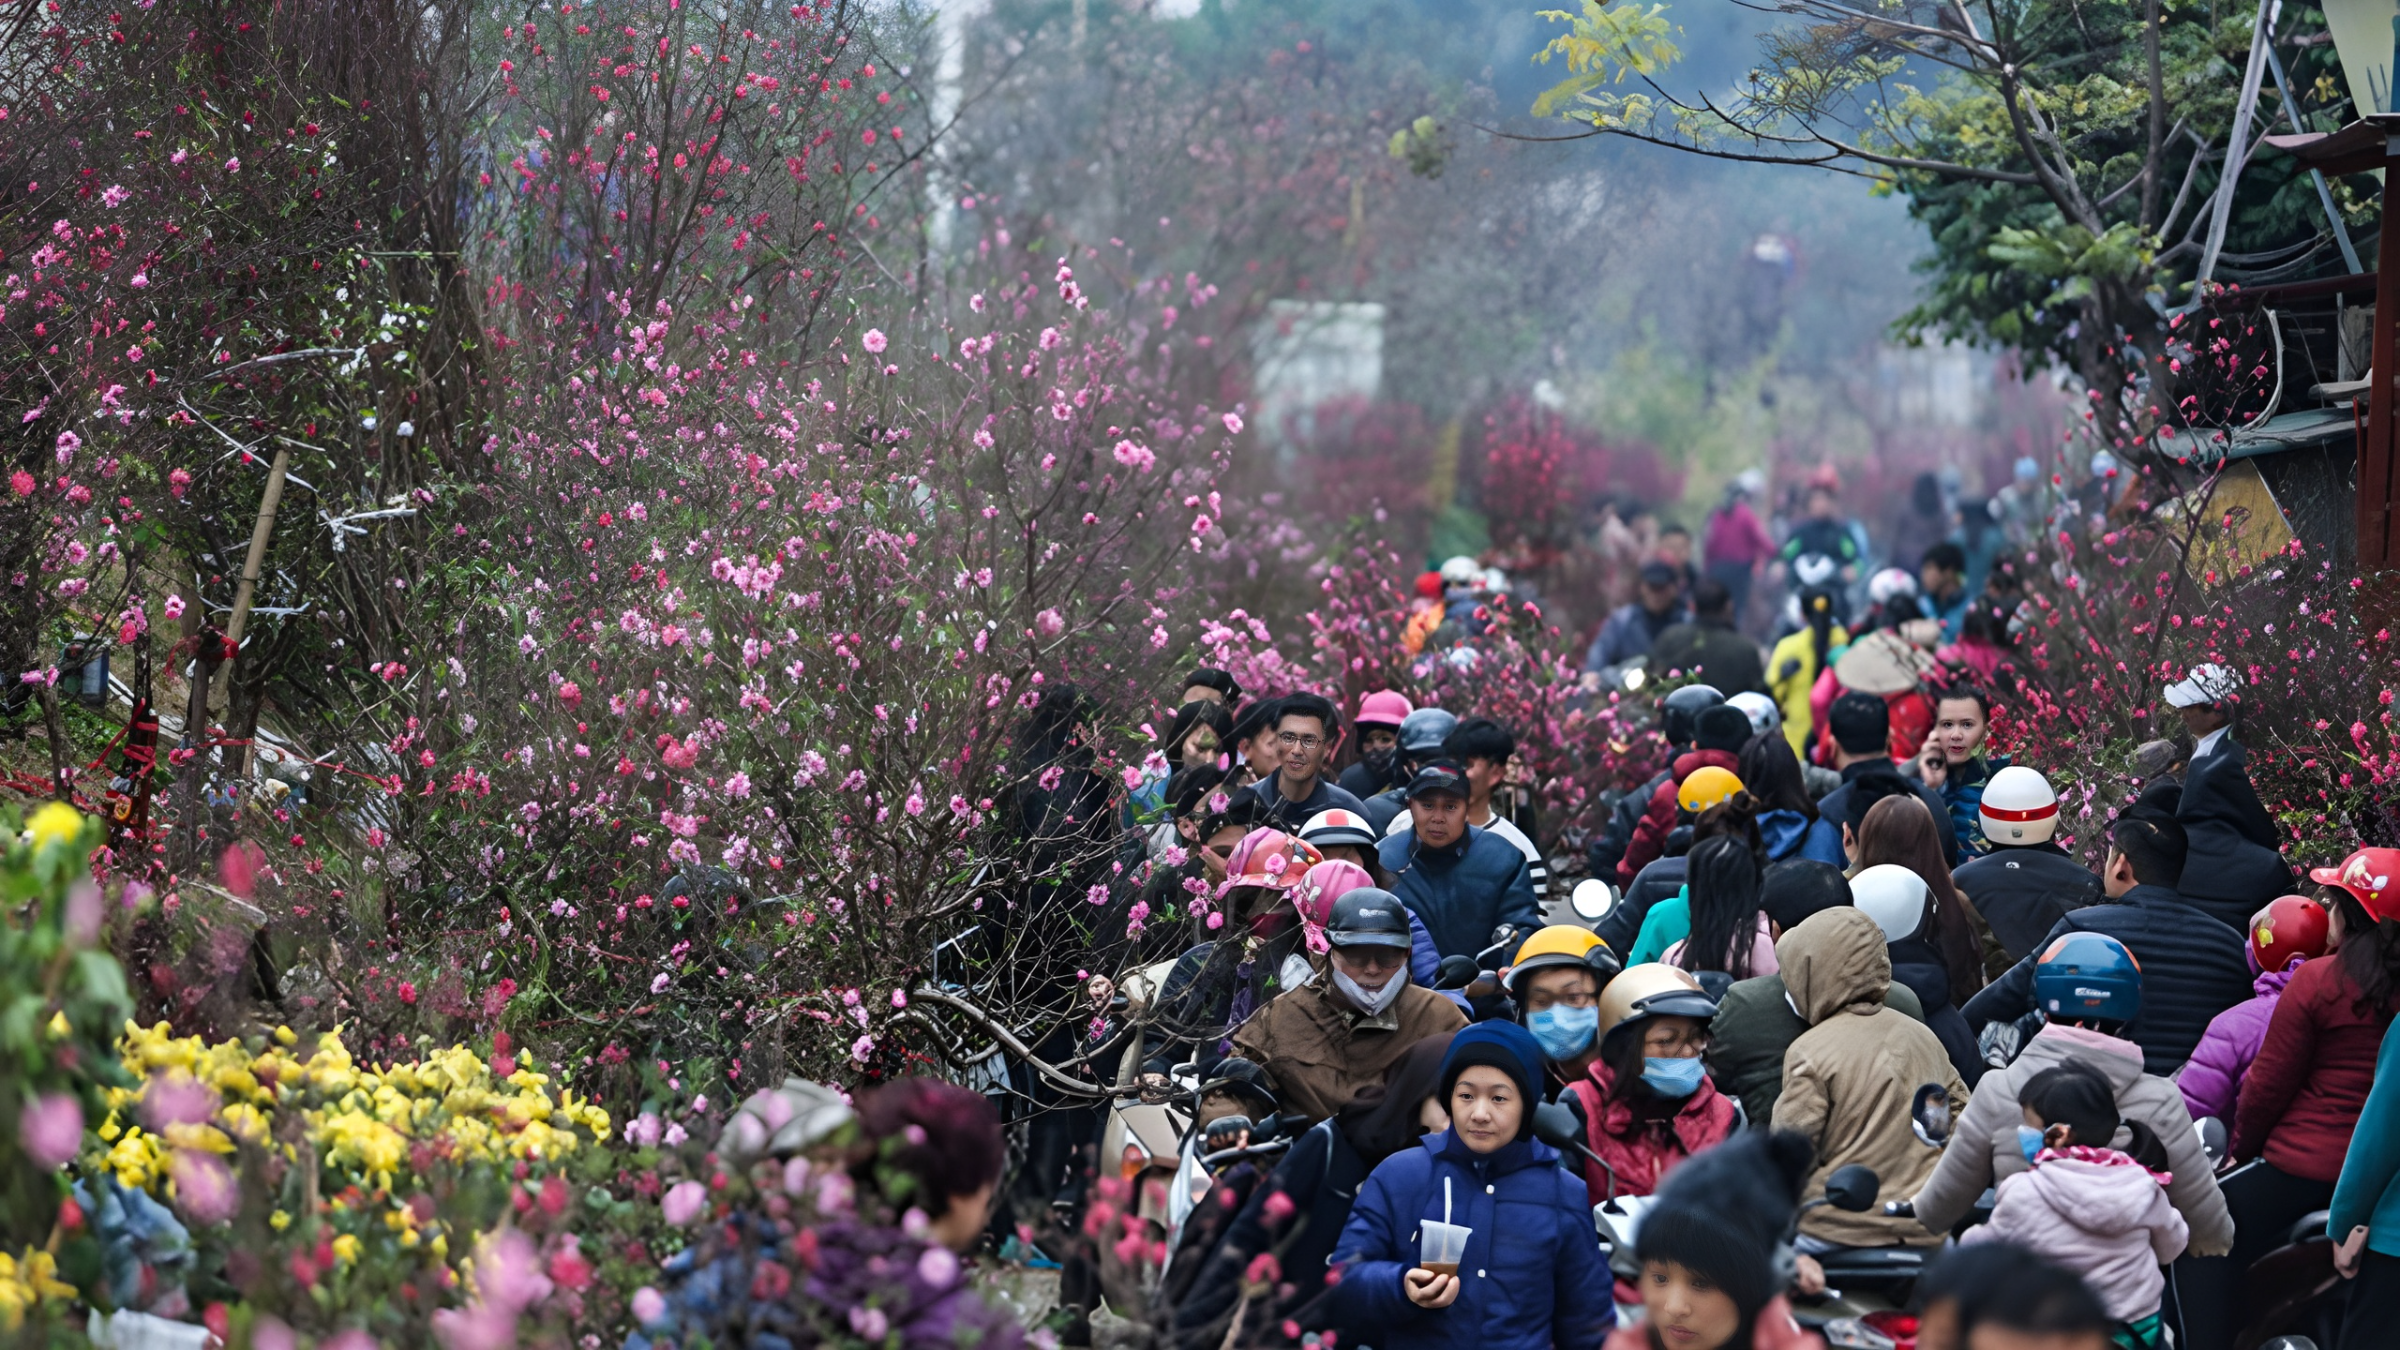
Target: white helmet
{"points": [[1494, 581], [2018, 807], [1461, 571], [1890, 584], [1894, 897], [1763, 714]]}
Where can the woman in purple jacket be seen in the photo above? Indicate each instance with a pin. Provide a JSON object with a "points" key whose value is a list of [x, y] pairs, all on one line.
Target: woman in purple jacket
{"points": [[2288, 931]]}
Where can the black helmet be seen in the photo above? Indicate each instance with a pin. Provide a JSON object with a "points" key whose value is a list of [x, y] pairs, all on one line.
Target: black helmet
{"points": [[1426, 729], [1680, 711], [1368, 917]]}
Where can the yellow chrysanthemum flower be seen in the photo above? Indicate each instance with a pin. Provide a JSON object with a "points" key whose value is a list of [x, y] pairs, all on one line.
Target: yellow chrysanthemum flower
{"points": [[54, 823]]}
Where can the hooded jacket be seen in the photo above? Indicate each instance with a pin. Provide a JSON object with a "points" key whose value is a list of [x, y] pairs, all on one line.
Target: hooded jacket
{"points": [[1658, 818], [1783, 832], [2211, 1080], [1983, 1144], [1753, 1030], [1849, 1080], [2309, 1083], [1531, 1277], [2192, 969], [1319, 1051], [2108, 1221], [1641, 1153], [2023, 890], [2234, 865], [1463, 891]]}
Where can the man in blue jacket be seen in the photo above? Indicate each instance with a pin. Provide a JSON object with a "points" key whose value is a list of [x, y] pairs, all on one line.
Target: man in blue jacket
{"points": [[2193, 967], [1463, 883], [1528, 1276]]}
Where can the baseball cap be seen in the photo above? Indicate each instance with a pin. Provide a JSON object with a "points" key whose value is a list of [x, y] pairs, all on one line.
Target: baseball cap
{"points": [[1656, 573], [1439, 776], [1367, 917], [2208, 683]]}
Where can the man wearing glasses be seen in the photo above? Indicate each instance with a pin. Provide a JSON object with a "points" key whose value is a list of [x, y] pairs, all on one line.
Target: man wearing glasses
{"points": [[1306, 730]]}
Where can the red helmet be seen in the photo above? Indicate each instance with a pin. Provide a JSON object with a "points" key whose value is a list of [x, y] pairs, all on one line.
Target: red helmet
{"points": [[2290, 928], [2367, 875]]}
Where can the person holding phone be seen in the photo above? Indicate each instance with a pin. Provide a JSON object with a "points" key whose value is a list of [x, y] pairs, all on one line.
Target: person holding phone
{"points": [[1529, 1274]]}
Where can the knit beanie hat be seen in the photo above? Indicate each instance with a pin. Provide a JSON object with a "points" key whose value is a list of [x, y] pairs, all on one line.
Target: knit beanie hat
{"points": [[1504, 1046], [1724, 1213]]}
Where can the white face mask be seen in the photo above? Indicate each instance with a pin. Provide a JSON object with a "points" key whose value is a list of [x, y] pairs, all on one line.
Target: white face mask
{"points": [[1374, 1001]]}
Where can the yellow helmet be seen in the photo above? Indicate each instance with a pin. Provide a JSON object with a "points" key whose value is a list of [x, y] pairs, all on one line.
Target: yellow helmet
{"points": [[1563, 944], [1652, 989], [1706, 786]]}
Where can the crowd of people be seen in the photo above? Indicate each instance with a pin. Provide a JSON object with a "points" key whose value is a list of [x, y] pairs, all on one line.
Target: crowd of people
{"points": [[1835, 905]]}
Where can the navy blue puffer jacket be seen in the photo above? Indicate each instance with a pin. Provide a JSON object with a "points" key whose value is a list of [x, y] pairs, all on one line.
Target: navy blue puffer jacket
{"points": [[1531, 1277], [1462, 891]]}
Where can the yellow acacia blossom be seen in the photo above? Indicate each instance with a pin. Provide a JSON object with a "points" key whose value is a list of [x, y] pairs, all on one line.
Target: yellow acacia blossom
{"points": [[26, 1281]]}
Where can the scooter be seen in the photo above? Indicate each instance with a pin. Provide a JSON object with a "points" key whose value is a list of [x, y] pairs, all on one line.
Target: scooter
{"points": [[1144, 1139], [2294, 1289]]}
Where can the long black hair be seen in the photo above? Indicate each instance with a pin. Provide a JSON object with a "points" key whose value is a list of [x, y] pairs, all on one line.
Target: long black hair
{"points": [[2370, 954], [1724, 900], [1771, 773]]}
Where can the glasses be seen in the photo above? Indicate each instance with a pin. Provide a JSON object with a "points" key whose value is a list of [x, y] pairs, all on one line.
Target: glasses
{"points": [[1542, 998], [1666, 1043], [1293, 740]]}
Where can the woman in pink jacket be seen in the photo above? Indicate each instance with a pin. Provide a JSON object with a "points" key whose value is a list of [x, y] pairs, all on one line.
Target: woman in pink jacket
{"points": [[2098, 1212], [2287, 932]]}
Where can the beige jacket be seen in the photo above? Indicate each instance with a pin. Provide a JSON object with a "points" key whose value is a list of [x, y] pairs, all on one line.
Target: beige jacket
{"points": [[1849, 1080]]}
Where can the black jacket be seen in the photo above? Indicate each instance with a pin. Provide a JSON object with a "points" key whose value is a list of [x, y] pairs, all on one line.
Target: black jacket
{"points": [[2192, 969], [2023, 890], [1291, 815], [1657, 881], [2234, 866], [1361, 781], [1918, 968], [1607, 848], [1320, 1176], [1824, 841], [1714, 651]]}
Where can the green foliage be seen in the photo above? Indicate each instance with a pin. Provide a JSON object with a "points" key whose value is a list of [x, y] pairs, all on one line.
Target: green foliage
{"points": [[1425, 146], [1603, 45]]}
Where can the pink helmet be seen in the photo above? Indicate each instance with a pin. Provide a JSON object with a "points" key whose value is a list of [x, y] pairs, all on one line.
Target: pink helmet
{"points": [[1267, 857], [1383, 708], [1319, 888]]}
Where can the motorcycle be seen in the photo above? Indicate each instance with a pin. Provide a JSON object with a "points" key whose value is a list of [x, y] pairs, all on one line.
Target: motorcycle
{"points": [[1584, 907], [2294, 1291]]}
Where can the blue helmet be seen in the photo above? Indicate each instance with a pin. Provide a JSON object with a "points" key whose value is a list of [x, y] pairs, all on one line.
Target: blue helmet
{"points": [[2087, 977]]}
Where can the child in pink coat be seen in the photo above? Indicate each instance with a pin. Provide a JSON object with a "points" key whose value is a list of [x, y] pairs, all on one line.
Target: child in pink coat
{"points": [[2092, 1209]]}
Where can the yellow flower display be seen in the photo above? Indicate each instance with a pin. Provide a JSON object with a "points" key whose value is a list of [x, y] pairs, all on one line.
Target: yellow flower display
{"points": [[55, 822], [26, 1281]]}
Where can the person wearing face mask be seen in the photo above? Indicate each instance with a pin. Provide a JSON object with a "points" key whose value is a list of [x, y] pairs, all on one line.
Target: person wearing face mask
{"points": [[1555, 982], [1325, 1040], [1646, 1099], [1253, 953], [1529, 1275], [1378, 768]]}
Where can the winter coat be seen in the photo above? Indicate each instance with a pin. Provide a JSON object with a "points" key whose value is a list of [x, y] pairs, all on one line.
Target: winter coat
{"points": [[1664, 924], [1464, 891], [1983, 1142], [1607, 848], [2233, 866], [1320, 1176], [1650, 837], [2098, 1213], [2211, 1080], [1660, 881], [1628, 633], [1754, 1028], [1319, 1051], [2023, 890], [1711, 649], [1774, 1329], [1784, 832], [1288, 815], [1736, 536], [1849, 1080], [1792, 674], [2192, 969], [2310, 1081], [1825, 837], [1640, 1152], [1531, 1277], [1916, 965], [2369, 1190], [1361, 781], [1536, 867], [1962, 793], [1383, 808]]}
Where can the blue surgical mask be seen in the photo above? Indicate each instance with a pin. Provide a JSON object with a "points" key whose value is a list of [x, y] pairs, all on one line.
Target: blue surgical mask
{"points": [[1564, 1032], [2029, 1142], [1676, 1077]]}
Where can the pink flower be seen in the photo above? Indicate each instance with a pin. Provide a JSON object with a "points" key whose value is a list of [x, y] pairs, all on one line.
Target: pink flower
{"points": [[174, 607], [649, 1305], [234, 165], [937, 1267], [1049, 623], [204, 1188], [21, 483], [874, 340], [50, 1130], [140, 280], [178, 480], [69, 442], [683, 1202], [1233, 423], [869, 1323], [570, 695], [1135, 456], [861, 1048], [176, 1099]]}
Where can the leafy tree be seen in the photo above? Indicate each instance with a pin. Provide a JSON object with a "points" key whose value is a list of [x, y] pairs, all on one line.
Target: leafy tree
{"points": [[2063, 156]]}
